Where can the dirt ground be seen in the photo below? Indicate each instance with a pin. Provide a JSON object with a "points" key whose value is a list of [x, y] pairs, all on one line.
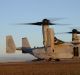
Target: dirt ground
{"points": [[40, 68]]}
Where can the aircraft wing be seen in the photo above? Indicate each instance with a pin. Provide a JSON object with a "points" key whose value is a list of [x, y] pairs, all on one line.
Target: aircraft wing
{"points": [[58, 41]]}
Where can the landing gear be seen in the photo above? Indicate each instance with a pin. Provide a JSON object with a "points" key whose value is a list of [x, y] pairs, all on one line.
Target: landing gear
{"points": [[76, 51], [50, 59], [38, 59], [57, 59]]}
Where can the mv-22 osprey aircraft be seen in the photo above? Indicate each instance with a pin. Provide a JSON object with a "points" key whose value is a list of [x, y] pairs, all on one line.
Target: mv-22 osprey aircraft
{"points": [[53, 48]]}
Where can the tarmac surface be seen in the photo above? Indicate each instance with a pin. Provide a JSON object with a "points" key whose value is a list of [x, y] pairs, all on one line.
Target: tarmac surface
{"points": [[62, 67]]}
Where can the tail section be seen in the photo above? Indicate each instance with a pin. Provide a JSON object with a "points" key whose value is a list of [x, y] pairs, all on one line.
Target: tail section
{"points": [[25, 43], [11, 48], [10, 45]]}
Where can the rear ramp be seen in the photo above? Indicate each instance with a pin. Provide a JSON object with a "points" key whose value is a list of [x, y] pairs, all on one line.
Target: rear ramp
{"points": [[10, 45]]}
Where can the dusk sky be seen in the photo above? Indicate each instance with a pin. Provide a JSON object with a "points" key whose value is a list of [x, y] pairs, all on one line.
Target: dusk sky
{"points": [[24, 11]]}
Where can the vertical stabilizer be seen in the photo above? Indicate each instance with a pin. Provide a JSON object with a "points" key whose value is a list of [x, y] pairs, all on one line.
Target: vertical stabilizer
{"points": [[10, 45], [25, 43]]}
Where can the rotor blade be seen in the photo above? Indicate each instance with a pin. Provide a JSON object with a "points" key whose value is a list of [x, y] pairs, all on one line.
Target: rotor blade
{"points": [[67, 33], [58, 24], [64, 33], [78, 32], [61, 33], [36, 23], [55, 19], [73, 32], [77, 28]]}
